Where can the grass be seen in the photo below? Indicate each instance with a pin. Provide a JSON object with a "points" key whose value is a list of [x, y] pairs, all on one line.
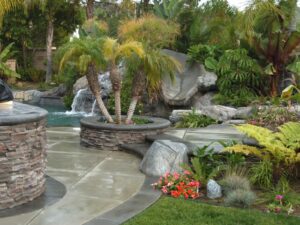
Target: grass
{"points": [[170, 211]]}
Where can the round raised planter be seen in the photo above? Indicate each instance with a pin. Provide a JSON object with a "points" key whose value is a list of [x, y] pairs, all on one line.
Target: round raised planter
{"points": [[22, 154], [107, 136]]}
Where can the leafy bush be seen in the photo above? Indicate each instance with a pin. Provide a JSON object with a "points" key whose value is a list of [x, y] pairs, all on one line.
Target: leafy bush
{"points": [[194, 120], [206, 164], [199, 53], [68, 100], [234, 182], [280, 148], [240, 98], [240, 198], [272, 117]]}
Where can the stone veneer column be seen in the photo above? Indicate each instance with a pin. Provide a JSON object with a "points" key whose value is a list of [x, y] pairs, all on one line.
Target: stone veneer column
{"points": [[22, 156]]}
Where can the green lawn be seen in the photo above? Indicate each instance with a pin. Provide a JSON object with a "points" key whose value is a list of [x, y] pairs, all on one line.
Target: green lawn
{"points": [[170, 211]]}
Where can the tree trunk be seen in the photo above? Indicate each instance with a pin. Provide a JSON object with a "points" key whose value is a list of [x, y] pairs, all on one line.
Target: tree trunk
{"points": [[274, 85], [118, 106], [131, 109], [116, 81], [50, 30], [138, 86], [90, 9], [93, 82]]}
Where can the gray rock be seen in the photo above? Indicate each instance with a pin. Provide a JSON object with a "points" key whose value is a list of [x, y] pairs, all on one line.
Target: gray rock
{"points": [[207, 81], [251, 142], [213, 189], [219, 112], [57, 91], [81, 83], [164, 156], [186, 82], [199, 100], [244, 112]]}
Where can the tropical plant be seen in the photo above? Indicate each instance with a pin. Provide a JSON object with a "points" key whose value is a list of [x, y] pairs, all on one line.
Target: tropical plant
{"points": [[200, 53], [195, 120], [269, 29], [215, 23], [87, 55], [5, 71], [168, 9], [114, 53], [154, 33], [280, 148], [7, 5]]}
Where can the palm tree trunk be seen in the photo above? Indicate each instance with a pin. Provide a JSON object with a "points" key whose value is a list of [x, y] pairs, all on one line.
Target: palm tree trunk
{"points": [[50, 30], [118, 106], [90, 9], [95, 88], [131, 109], [138, 86], [116, 81]]}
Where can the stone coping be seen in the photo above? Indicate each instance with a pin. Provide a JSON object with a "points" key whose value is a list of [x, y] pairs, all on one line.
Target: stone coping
{"points": [[20, 113], [95, 123]]}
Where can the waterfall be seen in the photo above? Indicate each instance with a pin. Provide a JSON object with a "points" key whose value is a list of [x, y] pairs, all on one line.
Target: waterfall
{"points": [[94, 107], [82, 103]]}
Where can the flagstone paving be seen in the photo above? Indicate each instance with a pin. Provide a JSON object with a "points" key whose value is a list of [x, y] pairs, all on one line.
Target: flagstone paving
{"points": [[95, 181], [97, 187]]}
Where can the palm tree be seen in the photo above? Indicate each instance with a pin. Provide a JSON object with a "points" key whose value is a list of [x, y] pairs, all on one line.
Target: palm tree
{"points": [[155, 33], [5, 71], [114, 54], [268, 31], [87, 55], [7, 5], [153, 66]]}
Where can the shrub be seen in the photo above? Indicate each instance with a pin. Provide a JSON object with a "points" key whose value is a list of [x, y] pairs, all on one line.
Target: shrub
{"points": [[273, 117], [199, 53], [195, 120], [234, 182], [280, 148], [240, 198], [68, 100], [261, 174], [240, 98], [178, 185]]}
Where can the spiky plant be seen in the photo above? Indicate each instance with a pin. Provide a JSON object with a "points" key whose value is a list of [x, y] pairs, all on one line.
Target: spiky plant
{"points": [[168, 9], [87, 55], [114, 53]]}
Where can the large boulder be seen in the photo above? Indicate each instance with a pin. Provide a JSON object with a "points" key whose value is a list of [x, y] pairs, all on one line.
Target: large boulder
{"points": [[219, 112], [192, 79], [199, 100], [164, 156]]}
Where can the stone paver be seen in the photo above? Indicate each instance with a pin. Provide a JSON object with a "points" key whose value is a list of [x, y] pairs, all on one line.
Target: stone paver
{"points": [[96, 181]]}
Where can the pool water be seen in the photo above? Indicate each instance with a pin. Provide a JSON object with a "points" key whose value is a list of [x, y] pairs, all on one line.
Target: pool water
{"points": [[59, 117]]}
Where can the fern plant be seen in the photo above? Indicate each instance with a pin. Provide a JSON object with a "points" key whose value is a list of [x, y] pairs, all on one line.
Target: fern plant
{"points": [[281, 149]]}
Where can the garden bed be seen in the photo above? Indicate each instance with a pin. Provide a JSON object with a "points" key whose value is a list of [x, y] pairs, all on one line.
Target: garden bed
{"points": [[95, 132]]}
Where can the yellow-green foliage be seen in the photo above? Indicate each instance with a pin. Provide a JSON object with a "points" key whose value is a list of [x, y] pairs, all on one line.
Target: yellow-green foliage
{"points": [[280, 147], [150, 30]]}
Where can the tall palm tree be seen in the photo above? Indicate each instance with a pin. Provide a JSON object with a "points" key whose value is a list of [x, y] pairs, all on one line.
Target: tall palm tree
{"points": [[268, 30], [153, 66], [155, 33], [114, 54], [87, 55]]}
